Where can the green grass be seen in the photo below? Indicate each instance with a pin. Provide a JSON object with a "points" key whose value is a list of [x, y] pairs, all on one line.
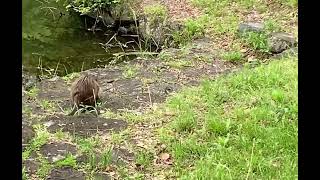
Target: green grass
{"points": [[44, 168], [87, 145], [156, 10], [41, 137], [144, 158], [233, 56], [97, 162], [68, 161], [69, 77], [106, 158], [33, 92], [220, 21], [193, 28], [119, 137], [237, 127], [258, 41], [24, 174], [47, 105], [130, 72], [179, 64]]}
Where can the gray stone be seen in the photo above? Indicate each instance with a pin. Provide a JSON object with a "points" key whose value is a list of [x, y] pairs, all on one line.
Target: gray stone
{"points": [[31, 166], [280, 41], [250, 26], [27, 134], [57, 150], [66, 173], [289, 52]]}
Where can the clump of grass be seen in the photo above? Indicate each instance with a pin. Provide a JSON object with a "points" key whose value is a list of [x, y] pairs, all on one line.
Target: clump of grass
{"points": [[233, 56], [87, 145], [130, 116], [185, 121], [33, 92], [193, 28], [185, 152], [179, 64], [291, 3], [239, 126], [26, 110], [271, 26], [258, 41], [109, 114], [106, 158], [164, 56], [130, 72], [44, 168], [60, 134], [68, 161], [118, 138], [47, 105], [42, 137], [144, 158], [98, 162], [92, 161], [157, 10], [24, 173], [69, 77]]}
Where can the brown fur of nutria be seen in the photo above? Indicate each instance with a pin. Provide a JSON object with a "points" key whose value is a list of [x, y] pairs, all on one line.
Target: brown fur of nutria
{"points": [[84, 91]]}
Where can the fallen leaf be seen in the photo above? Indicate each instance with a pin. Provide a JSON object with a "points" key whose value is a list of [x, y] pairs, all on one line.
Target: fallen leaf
{"points": [[164, 156]]}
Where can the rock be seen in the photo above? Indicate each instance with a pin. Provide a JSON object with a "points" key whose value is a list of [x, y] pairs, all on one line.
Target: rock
{"points": [[66, 173], [31, 166], [250, 26], [289, 52], [280, 41], [27, 134], [57, 151]]}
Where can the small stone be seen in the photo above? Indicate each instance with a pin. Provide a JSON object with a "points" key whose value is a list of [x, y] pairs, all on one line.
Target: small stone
{"points": [[164, 156], [48, 124], [57, 158], [250, 26], [27, 134], [280, 41], [289, 52]]}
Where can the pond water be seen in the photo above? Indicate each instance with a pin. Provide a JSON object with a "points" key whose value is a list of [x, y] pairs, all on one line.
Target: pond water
{"points": [[57, 42]]}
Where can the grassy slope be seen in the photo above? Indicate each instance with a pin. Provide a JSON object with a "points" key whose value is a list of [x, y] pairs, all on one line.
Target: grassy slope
{"points": [[237, 127]]}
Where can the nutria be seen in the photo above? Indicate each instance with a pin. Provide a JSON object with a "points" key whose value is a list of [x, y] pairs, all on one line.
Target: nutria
{"points": [[84, 91]]}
